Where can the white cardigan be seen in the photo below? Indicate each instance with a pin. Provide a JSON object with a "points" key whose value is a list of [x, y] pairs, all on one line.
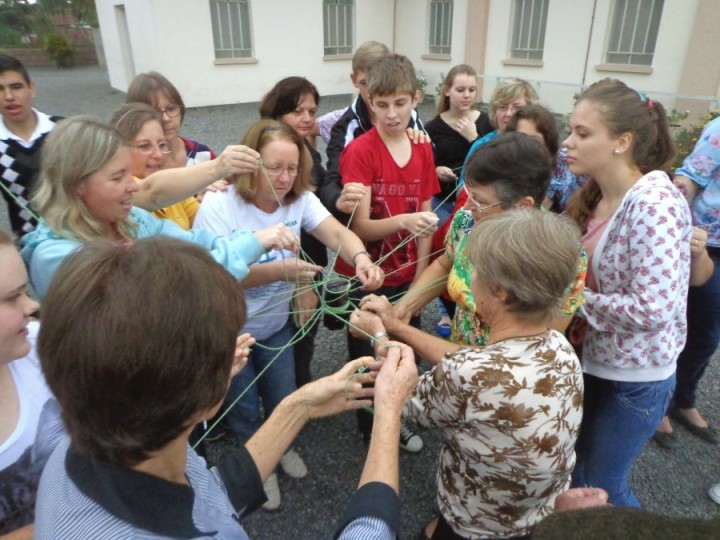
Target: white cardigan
{"points": [[641, 264]]}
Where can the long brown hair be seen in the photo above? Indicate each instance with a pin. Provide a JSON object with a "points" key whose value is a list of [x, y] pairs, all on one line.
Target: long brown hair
{"points": [[461, 69], [625, 110]]}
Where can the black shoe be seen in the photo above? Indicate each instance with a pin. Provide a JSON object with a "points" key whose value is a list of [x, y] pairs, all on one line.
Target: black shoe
{"points": [[707, 434], [409, 440], [366, 438], [666, 440]]}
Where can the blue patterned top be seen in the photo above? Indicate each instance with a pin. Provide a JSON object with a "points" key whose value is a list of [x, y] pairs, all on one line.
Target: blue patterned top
{"points": [[486, 139], [563, 183], [702, 166]]}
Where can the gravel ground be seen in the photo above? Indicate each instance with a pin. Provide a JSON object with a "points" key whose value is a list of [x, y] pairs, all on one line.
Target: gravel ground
{"points": [[673, 483]]}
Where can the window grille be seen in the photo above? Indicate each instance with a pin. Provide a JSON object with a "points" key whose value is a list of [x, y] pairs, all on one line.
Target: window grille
{"points": [[634, 31], [231, 28], [528, 36]]}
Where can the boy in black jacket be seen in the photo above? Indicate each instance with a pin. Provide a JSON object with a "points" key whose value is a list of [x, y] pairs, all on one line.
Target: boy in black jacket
{"points": [[358, 119]]}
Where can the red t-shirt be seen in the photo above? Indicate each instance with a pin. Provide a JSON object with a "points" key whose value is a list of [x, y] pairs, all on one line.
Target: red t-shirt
{"points": [[395, 190], [438, 241]]}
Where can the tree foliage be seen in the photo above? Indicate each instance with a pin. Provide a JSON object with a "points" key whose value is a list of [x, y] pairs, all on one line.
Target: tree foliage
{"points": [[15, 14], [83, 10]]}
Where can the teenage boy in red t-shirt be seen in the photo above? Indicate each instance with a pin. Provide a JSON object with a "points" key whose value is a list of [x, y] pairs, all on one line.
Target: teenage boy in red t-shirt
{"points": [[396, 210]]}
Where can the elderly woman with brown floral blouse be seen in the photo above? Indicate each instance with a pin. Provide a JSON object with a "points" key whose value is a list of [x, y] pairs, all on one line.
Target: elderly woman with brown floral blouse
{"points": [[511, 410]]}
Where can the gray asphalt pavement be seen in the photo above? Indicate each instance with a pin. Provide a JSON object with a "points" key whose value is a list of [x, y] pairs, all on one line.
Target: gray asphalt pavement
{"points": [[673, 483]]}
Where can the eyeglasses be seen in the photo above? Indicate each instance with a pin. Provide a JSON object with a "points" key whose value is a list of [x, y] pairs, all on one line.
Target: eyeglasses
{"points": [[170, 110], [146, 148], [513, 108], [276, 171], [479, 207]]}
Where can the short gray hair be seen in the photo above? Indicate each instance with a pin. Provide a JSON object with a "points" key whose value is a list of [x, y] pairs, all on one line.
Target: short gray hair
{"points": [[529, 254]]}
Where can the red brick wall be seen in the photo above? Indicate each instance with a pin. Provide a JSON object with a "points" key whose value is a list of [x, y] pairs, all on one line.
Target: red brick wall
{"points": [[37, 57]]}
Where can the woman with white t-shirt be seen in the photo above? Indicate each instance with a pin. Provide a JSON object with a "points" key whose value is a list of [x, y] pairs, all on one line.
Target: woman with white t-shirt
{"points": [[280, 192], [25, 400]]}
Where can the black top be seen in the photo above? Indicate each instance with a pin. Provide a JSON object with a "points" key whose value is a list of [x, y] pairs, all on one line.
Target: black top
{"points": [[451, 148], [314, 248]]}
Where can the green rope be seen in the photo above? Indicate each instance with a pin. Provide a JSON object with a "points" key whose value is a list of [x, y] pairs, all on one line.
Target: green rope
{"points": [[339, 312]]}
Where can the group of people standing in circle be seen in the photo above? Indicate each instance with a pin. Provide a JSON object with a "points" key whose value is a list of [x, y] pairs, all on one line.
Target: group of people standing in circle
{"points": [[572, 341]]}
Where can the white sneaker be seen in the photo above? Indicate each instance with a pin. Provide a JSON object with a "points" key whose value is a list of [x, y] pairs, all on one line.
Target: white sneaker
{"points": [[293, 464], [409, 440], [714, 493], [272, 490]]}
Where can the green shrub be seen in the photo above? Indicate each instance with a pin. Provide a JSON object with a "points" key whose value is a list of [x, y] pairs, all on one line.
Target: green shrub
{"points": [[9, 37], [61, 49], [686, 134]]}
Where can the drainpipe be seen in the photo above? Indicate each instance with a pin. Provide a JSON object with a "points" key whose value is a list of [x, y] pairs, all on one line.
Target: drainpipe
{"points": [[587, 50], [394, 24]]}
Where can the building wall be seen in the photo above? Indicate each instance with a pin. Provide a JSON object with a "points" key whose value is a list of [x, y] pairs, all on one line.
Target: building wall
{"points": [[175, 37], [564, 69], [701, 68], [411, 38]]}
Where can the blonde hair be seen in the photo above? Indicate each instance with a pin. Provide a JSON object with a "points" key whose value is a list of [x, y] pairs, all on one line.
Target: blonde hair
{"points": [[367, 54], [507, 91], [74, 150], [260, 135], [530, 255]]}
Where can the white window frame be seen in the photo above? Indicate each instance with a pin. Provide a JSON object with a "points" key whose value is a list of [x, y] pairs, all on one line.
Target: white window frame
{"points": [[634, 29], [338, 27], [528, 29], [231, 29], [440, 19]]}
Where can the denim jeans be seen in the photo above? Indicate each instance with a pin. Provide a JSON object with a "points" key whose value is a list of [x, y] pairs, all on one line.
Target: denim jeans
{"points": [[618, 420], [703, 336], [442, 209], [272, 387], [303, 352]]}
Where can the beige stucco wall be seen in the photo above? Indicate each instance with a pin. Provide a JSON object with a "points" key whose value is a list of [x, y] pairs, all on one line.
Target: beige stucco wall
{"points": [[175, 38], [701, 66], [569, 41]]}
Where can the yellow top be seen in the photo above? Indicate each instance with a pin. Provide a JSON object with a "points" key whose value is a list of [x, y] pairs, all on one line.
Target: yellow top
{"points": [[182, 213]]}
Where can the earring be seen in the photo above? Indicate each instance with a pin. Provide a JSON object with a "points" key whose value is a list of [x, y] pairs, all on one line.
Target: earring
{"points": [[616, 151]]}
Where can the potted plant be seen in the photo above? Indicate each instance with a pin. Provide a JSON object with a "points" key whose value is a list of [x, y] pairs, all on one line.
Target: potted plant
{"points": [[421, 83], [60, 49], [439, 89]]}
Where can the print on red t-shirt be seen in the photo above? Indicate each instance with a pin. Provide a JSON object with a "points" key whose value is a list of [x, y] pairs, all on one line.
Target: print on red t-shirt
{"points": [[395, 190]]}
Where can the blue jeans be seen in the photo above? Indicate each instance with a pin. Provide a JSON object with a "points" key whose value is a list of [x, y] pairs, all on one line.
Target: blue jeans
{"points": [[618, 420], [272, 387], [442, 209], [703, 336]]}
